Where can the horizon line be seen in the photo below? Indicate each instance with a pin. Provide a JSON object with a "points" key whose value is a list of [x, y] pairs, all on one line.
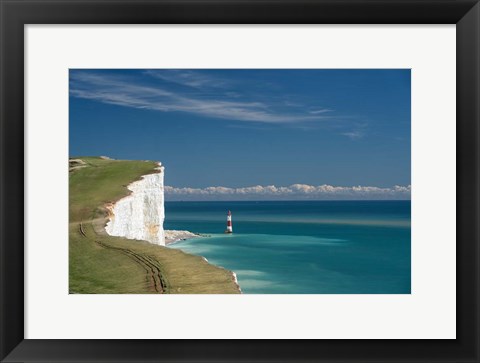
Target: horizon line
{"points": [[295, 200]]}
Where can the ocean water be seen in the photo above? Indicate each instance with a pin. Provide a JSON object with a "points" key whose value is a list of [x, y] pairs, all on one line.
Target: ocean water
{"points": [[312, 247]]}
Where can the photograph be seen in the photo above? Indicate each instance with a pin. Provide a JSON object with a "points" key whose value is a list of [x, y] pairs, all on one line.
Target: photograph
{"points": [[239, 181]]}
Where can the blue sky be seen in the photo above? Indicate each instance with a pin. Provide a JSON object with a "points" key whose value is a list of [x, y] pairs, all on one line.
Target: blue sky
{"points": [[239, 129]]}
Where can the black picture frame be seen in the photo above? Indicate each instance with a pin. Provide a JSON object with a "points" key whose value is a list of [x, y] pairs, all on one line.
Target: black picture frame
{"points": [[15, 14]]}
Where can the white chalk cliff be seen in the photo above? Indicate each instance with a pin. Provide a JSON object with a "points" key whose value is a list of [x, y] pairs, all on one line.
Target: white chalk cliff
{"points": [[140, 215]]}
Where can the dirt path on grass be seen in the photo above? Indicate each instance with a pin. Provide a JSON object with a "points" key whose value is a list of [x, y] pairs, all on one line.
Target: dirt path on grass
{"points": [[148, 263]]}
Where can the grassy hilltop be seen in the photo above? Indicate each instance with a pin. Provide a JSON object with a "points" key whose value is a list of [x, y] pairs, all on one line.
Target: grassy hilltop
{"points": [[102, 264]]}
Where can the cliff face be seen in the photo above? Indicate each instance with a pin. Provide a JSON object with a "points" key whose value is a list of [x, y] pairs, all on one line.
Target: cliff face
{"points": [[141, 214]]}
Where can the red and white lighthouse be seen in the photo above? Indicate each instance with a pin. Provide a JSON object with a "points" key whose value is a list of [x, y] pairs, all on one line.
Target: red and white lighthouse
{"points": [[229, 223]]}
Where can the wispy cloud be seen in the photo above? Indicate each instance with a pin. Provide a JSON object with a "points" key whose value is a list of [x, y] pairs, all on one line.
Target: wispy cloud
{"points": [[317, 112], [354, 135], [135, 93], [292, 192], [189, 78]]}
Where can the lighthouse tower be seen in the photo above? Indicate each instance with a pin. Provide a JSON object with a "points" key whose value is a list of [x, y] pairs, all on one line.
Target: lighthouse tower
{"points": [[229, 223]]}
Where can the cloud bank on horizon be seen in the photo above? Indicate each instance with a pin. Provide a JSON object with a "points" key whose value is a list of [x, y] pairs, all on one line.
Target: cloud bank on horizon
{"points": [[292, 192]]}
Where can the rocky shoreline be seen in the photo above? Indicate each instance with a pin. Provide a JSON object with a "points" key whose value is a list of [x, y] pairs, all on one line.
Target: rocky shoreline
{"points": [[172, 236]]}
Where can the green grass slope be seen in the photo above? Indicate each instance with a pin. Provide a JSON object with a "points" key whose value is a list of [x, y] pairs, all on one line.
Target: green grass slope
{"points": [[102, 264]]}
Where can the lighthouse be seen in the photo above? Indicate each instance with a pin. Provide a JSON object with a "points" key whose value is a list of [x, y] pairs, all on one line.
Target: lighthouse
{"points": [[229, 223]]}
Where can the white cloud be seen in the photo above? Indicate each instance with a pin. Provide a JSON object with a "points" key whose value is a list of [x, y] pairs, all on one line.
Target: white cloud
{"points": [[128, 92], [292, 192]]}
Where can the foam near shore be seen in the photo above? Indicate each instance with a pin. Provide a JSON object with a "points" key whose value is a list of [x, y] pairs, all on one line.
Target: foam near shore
{"points": [[235, 280], [172, 236]]}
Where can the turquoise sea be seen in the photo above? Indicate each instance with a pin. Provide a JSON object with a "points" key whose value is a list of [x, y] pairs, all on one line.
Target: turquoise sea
{"points": [[303, 247]]}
